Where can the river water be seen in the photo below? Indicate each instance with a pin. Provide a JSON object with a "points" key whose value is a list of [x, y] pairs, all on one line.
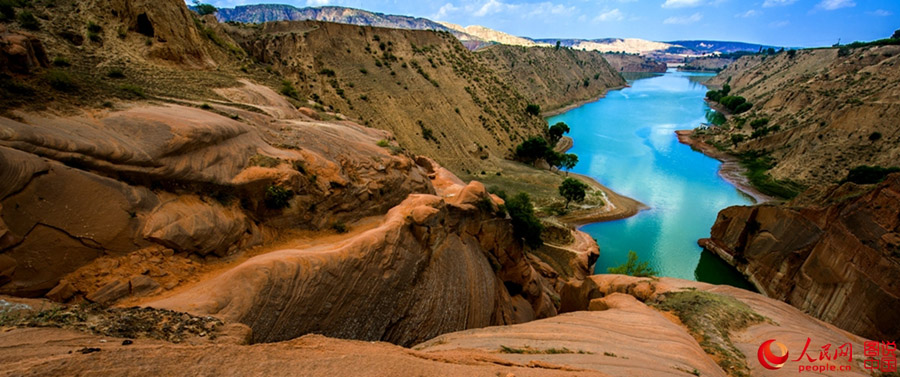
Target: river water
{"points": [[627, 142]]}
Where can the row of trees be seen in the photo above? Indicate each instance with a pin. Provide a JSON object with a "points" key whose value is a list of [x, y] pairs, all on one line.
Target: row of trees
{"points": [[736, 104]]}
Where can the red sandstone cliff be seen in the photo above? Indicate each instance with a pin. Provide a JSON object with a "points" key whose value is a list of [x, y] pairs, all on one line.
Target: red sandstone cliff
{"points": [[835, 256]]}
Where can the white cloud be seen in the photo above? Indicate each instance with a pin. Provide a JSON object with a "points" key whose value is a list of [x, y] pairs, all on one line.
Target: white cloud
{"points": [[836, 4], [777, 3], [683, 20], [445, 10], [547, 7], [682, 3], [317, 3], [748, 14], [612, 15], [492, 7], [779, 24], [881, 13]]}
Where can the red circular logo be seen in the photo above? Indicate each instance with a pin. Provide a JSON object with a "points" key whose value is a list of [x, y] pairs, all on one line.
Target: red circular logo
{"points": [[768, 359]]}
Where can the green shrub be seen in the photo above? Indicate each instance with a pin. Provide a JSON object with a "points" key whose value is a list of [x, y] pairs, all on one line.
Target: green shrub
{"points": [[204, 9], [744, 107], [875, 136], [288, 90], [277, 197], [115, 73], [132, 90], [526, 225], [633, 268], [364, 71], [864, 174], [737, 139], [60, 61], [532, 149], [7, 10], [339, 227], [715, 118], [60, 80], [383, 143], [28, 21], [533, 109], [93, 27], [759, 123], [757, 166], [327, 72]]}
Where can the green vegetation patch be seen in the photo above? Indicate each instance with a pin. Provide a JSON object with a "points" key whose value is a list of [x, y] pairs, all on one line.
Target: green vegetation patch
{"points": [[757, 166], [131, 323], [711, 317], [264, 161], [527, 350], [865, 174]]}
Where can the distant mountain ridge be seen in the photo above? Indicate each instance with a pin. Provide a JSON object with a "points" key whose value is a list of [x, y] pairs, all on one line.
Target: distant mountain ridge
{"points": [[705, 46], [473, 36]]}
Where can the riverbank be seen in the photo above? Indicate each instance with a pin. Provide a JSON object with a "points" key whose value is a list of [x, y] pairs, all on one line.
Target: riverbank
{"points": [[615, 207], [730, 170], [576, 104]]}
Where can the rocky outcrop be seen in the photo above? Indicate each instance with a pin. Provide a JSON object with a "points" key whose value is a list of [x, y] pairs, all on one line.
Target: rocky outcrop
{"points": [[837, 257], [552, 78], [627, 332], [79, 187], [20, 52], [434, 265]]}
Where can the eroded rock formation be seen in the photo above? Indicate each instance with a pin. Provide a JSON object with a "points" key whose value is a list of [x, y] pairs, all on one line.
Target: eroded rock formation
{"points": [[434, 265], [79, 187], [837, 259]]}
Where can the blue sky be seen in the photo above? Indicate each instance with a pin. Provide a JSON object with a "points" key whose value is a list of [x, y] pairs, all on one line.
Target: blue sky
{"points": [[800, 23]]}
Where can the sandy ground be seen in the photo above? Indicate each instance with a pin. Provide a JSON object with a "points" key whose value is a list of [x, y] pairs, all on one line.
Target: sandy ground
{"points": [[731, 169]]}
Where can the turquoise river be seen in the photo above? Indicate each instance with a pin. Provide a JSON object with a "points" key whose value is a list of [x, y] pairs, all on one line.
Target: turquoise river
{"points": [[627, 142]]}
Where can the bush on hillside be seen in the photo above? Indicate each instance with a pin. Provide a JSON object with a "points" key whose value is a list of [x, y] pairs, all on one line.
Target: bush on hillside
{"points": [[526, 225], [864, 174]]}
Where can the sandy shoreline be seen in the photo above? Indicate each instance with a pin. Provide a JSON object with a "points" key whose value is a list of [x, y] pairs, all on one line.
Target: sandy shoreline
{"points": [[617, 206], [575, 104], [731, 169]]}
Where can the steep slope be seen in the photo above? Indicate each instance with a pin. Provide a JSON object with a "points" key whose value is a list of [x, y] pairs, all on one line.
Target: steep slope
{"points": [[435, 96], [834, 255], [634, 63], [828, 111], [549, 77], [261, 13]]}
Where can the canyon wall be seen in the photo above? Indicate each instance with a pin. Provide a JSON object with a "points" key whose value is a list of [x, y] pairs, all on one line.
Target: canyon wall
{"points": [[828, 110], [835, 256], [549, 77]]}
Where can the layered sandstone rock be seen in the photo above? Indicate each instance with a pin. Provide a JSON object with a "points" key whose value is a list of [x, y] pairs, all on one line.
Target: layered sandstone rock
{"points": [[434, 265], [110, 183], [623, 334], [837, 259], [20, 52]]}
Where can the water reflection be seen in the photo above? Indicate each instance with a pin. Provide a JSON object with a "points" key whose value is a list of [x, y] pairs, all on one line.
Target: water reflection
{"points": [[627, 142]]}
